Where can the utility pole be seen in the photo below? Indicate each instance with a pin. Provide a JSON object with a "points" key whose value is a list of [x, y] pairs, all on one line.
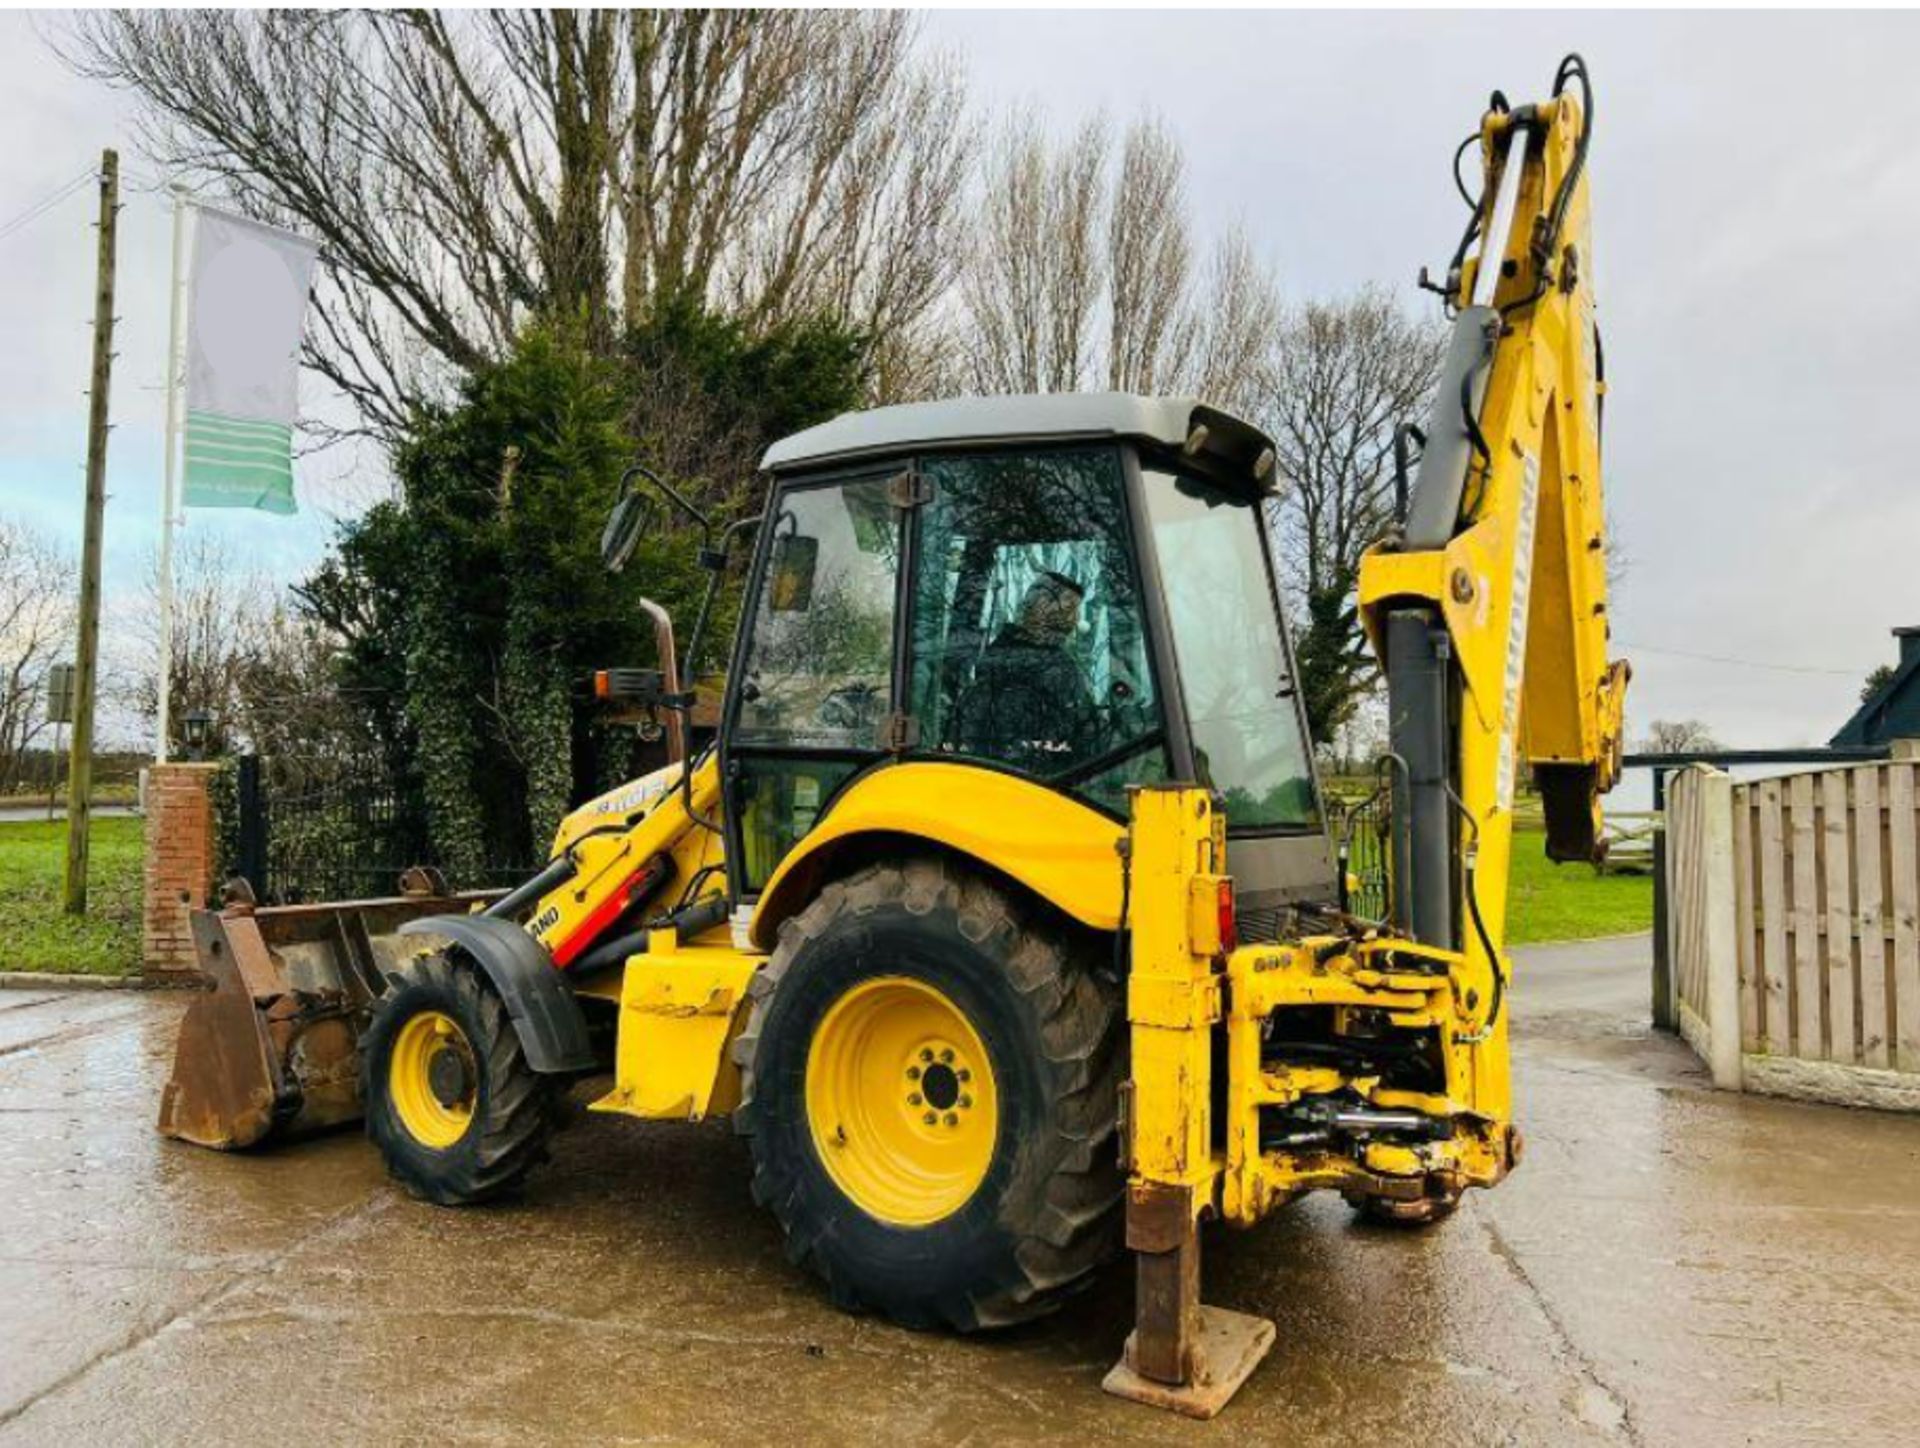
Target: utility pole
{"points": [[170, 484], [80, 764]]}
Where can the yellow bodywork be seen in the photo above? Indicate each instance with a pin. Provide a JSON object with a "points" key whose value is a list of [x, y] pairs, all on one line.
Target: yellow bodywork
{"points": [[1522, 586], [682, 1003], [616, 836], [902, 1098], [1522, 590], [1061, 850]]}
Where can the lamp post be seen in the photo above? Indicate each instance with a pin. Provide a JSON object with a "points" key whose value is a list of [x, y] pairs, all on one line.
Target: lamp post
{"points": [[193, 728]]}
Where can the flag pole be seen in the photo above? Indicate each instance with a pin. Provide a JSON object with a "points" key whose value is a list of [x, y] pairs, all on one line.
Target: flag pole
{"points": [[170, 485]]}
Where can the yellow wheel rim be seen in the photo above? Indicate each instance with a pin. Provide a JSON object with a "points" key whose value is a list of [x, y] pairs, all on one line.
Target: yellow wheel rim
{"points": [[432, 1080], [901, 1101]]}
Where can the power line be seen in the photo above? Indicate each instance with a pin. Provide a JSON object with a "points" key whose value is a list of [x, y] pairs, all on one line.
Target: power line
{"points": [[46, 203], [1746, 663]]}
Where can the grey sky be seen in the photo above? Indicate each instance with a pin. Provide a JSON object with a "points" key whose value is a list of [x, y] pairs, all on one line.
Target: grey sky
{"points": [[1756, 195]]}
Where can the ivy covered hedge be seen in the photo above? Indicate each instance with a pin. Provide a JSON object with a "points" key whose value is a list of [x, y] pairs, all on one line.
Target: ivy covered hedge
{"points": [[472, 606]]}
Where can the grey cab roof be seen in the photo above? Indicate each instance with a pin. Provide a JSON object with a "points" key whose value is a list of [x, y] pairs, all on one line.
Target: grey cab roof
{"points": [[960, 421]]}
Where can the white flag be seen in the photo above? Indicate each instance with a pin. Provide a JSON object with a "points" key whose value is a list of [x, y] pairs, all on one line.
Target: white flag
{"points": [[247, 304]]}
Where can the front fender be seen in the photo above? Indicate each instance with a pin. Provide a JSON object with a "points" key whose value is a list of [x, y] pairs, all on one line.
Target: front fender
{"points": [[547, 1018], [1062, 850]]}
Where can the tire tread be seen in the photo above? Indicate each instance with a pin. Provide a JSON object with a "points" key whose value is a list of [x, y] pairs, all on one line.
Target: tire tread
{"points": [[1077, 1225], [521, 1106]]}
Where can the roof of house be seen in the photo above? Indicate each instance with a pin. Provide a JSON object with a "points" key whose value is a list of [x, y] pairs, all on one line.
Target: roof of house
{"points": [[966, 421], [1891, 712]]}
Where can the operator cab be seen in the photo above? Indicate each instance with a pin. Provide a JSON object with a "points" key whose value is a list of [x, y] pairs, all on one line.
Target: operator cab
{"points": [[1076, 589]]}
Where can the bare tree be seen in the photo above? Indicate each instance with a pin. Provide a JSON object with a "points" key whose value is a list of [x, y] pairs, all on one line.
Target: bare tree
{"points": [[1348, 374], [1678, 736], [1238, 329], [465, 171], [1081, 274], [1618, 560], [1037, 269], [262, 674], [36, 625]]}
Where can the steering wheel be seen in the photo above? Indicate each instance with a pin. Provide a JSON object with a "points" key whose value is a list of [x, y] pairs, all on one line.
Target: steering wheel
{"points": [[851, 706], [1122, 715]]}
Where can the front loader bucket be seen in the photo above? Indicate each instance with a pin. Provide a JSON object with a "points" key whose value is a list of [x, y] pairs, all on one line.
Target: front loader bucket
{"points": [[272, 1051]]}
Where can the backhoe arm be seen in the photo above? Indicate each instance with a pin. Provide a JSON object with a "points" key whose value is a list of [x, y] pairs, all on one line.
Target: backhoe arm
{"points": [[1370, 1058], [1490, 606]]}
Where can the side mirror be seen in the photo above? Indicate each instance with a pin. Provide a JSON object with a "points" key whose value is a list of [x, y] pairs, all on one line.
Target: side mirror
{"points": [[636, 511], [634, 515], [796, 558]]}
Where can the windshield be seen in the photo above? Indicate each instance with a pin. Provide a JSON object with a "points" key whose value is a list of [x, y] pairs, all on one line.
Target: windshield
{"points": [[1241, 711]]}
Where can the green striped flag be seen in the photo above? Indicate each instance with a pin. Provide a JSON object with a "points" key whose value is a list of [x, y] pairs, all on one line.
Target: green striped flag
{"points": [[248, 303]]}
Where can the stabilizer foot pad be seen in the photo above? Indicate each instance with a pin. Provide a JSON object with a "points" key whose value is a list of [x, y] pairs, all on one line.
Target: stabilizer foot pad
{"points": [[1231, 1346]]}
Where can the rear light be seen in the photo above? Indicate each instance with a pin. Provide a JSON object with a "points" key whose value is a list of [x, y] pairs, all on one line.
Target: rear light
{"points": [[1226, 916], [602, 685]]}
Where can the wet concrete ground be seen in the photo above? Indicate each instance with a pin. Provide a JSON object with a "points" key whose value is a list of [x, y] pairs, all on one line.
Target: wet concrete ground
{"points": [[1670, 1265]]}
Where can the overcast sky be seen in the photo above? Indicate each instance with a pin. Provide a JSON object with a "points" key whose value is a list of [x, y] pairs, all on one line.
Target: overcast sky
{"points": [[1756, 190]]}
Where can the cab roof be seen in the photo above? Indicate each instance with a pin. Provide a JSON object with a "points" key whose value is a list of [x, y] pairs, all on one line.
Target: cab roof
{"points": [[1228, 443]]}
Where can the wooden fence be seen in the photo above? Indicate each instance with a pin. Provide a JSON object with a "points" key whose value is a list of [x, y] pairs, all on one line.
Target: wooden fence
{"points": [[1794, 929]]}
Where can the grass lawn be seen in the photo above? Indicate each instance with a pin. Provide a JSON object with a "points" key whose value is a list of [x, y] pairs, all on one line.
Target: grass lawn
{"points": [[1570, 902], [35, 935], [1548, 901]]}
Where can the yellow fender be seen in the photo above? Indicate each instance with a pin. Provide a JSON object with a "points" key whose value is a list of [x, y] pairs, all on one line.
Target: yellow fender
{"points": [[1062, 850]]}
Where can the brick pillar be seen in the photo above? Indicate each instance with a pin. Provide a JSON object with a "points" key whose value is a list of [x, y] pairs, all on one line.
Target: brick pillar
{"points": [[179, 866]]}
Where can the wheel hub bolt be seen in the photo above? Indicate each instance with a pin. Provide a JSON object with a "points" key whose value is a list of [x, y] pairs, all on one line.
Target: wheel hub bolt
{"points": [[965, 1102], [914, 1100], [964, 1074], [952, 1120], [913, 1073], [947, 1057], [926, 1053], [929, 1118]]}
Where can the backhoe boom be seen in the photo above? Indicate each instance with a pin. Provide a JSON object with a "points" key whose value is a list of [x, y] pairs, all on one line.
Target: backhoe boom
{"points": [[1371, 1058]]}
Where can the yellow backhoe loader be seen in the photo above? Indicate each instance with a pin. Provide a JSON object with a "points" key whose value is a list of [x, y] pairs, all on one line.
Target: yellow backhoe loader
{"points": [[1003, 913]]}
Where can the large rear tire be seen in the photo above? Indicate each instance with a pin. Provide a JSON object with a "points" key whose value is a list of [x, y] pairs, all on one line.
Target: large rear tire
{"points": [[457, 1113], [930, 1080]]}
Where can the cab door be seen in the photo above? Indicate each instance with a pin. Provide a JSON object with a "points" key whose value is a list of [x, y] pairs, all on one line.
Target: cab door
{"points": [[813, 684], [1030, 647]]}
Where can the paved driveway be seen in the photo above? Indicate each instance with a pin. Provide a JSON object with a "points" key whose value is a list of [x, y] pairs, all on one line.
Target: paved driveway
{"points": [[1670, 1265]]}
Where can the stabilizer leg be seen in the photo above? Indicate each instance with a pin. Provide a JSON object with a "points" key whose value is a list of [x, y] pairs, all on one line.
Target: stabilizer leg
{"points": [[1181, 1355]]}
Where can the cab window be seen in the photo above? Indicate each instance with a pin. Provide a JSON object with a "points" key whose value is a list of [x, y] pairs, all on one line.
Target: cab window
{"points": [[820, 658], [1249, 740], [1029, 648], [816, 679]]}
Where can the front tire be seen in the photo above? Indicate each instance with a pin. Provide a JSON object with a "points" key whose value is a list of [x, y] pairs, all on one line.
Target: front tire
{"points": [[930, 1081], [457, 1113]]}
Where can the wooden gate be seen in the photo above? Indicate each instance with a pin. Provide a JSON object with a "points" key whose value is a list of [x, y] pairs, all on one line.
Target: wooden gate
{"points": [[1794, 929]]}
